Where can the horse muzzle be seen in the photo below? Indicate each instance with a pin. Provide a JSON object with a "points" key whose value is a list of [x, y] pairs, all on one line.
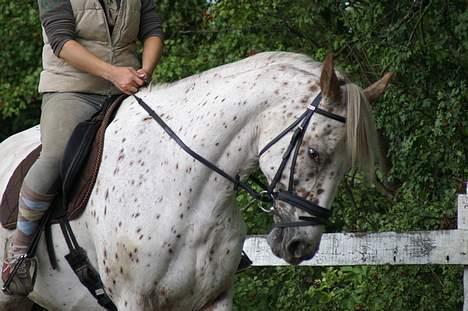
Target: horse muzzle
{"points": [[292, 245]]}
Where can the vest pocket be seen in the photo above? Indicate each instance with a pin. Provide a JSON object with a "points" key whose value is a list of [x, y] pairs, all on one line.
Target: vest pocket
{"points": [[131, 27]]}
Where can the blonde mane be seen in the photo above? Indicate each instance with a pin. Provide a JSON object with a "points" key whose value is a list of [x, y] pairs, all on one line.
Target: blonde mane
{"points": [[362, 137]]}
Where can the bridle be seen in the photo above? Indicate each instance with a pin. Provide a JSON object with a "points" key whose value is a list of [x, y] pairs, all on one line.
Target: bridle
{"points": [[319, 215]]}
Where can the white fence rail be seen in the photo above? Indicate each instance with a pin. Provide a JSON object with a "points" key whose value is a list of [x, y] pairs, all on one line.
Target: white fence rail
{"points": [[446, 247]]}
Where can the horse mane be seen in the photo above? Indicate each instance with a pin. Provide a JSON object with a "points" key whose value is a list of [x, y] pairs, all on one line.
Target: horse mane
{"points": [[361, 134], [255, 62]]}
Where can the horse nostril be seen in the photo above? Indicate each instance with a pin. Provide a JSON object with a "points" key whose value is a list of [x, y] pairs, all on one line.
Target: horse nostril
{"points": [[295, 248]]}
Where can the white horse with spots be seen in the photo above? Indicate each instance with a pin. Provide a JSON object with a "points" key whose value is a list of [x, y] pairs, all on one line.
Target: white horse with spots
{"points": [[161, 228]]}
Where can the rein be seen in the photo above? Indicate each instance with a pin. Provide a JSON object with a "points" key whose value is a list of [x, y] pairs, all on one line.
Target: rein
{"points": [[319, 215]]}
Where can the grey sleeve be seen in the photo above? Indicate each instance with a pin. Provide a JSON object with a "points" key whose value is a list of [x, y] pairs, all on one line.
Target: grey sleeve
{"points": [[58, 22], [150, 22]]}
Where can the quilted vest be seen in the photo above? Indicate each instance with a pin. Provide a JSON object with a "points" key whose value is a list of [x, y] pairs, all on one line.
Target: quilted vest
{"points": [[117, 48]]}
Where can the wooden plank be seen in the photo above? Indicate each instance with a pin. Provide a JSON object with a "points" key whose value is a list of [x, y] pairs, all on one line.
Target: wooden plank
{"points": [[348, 249], [462, 218], [462, 210]]}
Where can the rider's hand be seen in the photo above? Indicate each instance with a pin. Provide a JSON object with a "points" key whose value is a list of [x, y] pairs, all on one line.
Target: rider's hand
{"points": [[144, 74], [126, 79]]}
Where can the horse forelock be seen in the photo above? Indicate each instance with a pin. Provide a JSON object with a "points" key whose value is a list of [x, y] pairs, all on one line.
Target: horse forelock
{"points": [[361, 133]]}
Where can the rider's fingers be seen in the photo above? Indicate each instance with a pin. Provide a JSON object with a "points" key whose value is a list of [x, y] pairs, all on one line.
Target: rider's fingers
{"points": [[129, 88], [135, 73], [139, 81], [136, 77], [142, 74], [126, 91]]}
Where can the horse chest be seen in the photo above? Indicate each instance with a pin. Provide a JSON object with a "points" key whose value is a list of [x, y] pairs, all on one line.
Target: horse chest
{"points": [[172, 230]]}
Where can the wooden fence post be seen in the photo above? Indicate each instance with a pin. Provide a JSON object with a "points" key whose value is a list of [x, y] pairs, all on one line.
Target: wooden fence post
{"points": [[463, 225]]}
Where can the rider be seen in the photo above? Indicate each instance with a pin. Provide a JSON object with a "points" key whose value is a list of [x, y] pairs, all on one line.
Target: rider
{"points": [[89, 54]]}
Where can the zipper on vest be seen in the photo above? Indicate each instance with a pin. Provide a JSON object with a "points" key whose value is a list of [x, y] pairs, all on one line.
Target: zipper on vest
{"points": [[109, 34], [117, 33], [111, 44]]}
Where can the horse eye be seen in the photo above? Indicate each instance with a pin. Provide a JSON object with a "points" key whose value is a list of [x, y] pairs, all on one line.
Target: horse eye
{"points": [[313, 154]]}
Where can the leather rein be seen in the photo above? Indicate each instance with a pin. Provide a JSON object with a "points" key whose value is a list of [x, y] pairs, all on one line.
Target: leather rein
{"points": [[269, 194]]}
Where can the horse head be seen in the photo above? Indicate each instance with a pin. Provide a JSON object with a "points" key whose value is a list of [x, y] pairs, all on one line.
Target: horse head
{"points": [[342, 136]]}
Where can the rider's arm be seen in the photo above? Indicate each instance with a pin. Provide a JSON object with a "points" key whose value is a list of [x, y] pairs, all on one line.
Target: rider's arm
{"points": [[125, 78], [58, 22], [59, 26], [151, 34], [152, 50]]}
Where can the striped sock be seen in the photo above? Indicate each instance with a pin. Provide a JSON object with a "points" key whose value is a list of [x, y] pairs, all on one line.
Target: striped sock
{"points": [[32, 206]]}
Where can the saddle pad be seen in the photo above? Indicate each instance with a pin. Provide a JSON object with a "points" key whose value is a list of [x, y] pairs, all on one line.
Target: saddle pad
{"points": [[83, 185], [9, 203]]}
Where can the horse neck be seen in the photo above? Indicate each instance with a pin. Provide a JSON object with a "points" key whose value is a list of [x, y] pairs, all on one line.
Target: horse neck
{"points": [[221, 113], [218, 116]]}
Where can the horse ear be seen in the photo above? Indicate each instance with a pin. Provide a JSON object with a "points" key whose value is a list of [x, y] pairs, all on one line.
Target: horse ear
{"points": [[378, 88], [329, 80]]}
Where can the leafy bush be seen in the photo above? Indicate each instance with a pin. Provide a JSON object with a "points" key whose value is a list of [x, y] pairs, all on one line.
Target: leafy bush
{"points": [[20, 61], [423, 116]]}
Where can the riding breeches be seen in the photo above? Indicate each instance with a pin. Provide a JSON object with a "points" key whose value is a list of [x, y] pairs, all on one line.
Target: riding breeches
{"points": [[60, 114]]}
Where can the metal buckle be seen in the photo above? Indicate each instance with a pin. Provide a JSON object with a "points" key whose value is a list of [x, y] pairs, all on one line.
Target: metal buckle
{"points": [[272, 208], [268, 211], [310, 107]]}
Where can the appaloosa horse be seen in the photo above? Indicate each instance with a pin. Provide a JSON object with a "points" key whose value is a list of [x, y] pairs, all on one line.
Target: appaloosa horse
{"points": [[163, 229]]}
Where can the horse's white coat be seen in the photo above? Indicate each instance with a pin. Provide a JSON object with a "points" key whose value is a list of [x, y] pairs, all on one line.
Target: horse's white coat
{"points": [[13, 152], [161, 228]]}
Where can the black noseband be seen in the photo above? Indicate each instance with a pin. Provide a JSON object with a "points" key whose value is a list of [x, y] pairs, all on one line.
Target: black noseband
{"points": [[321, 215]]}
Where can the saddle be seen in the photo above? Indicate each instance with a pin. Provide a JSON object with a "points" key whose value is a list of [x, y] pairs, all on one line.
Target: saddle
{"points": [[79, 170]]}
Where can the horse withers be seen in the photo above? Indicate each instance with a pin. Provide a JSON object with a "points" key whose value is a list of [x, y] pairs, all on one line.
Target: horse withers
{"points": [[161, 228]]}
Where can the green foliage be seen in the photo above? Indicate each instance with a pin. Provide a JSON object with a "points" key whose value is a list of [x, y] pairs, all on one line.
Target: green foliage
{"points": [[423, 117], [20, 61], [349, 288]]}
